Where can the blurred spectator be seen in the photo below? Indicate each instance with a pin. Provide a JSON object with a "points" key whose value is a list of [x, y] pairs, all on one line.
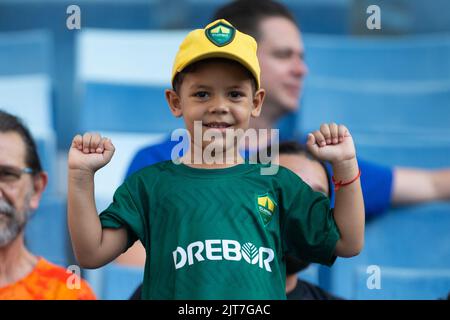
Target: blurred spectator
{"points": [[22, 275]]}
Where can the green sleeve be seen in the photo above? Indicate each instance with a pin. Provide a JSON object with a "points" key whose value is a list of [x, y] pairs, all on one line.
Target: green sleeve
{"points": [[308, 227], [124, 212]]}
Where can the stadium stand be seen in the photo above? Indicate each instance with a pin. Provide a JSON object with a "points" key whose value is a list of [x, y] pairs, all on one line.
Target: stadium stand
{"points": [[402, 58], [26, 52], [51, 15], [119, 282], [403, 16], [392, 92], [26, 88], [402, 283], [126, 108], [415, 240], [370, 105]]}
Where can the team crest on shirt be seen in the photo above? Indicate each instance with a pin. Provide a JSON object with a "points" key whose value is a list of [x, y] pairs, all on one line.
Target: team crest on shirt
{"points": [[266, 207], [220, 34]]}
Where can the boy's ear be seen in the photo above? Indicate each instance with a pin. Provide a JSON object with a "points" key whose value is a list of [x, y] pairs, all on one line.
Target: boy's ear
{"points": [[258, 100], [173, 99]]}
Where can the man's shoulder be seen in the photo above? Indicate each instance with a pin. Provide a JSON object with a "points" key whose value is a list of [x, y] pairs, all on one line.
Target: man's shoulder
{"points": [[47, 268], [156, 152], [151, 154], [166, 144], [50, 281]]}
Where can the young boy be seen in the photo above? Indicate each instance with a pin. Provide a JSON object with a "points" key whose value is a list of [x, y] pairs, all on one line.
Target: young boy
{"points": [[216, 230]]}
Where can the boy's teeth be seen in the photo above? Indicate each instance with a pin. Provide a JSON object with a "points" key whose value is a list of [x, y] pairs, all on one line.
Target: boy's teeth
{"points": [[213, 125]]}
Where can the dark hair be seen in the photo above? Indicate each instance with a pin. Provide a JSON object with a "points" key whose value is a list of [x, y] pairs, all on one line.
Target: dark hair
{"points": [[178, 80], [293, 147], [10, 123], [246, 15]]}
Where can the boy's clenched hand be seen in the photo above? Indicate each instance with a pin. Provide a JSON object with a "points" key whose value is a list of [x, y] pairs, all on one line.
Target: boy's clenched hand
{"points": [[332, 143], [90, 152]]}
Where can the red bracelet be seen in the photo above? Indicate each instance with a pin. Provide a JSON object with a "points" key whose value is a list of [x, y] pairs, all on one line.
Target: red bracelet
{"points": [[338, 185]]}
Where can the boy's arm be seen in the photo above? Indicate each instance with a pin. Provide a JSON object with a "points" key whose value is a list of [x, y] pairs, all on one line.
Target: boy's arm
{"points": [[333, 143], [93, 246], [349, 209]]}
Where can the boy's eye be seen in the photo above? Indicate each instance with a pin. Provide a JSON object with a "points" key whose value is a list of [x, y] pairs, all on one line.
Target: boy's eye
{"points": [[201, 94], [236, 94]]}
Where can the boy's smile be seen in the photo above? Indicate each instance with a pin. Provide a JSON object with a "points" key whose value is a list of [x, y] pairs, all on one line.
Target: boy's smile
{"points": [[221, 126]]}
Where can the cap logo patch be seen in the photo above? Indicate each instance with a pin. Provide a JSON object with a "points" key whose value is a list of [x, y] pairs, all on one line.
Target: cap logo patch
{"points": [[220, 34]]}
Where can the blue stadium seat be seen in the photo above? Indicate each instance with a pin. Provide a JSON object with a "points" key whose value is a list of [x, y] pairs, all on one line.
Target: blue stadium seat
{"points": [[403, 283], [377, 106], [201, 12], [408, 58], [322, 16], [310, 274], [26, 88], [404, 16], [119, 282], [429, 17], [126, 108], [413, 237], [134, 57], [51, 15], [47, 234], [26, 52]]}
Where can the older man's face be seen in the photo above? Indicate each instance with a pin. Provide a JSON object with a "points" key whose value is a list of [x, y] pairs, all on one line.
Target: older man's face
{"points": [[16, 188]]}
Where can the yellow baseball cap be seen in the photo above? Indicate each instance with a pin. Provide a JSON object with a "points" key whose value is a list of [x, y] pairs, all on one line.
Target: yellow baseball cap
{"points": [[219, 39]]}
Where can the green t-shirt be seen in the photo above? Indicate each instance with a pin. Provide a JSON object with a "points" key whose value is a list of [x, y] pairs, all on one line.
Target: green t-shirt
{"points": [[221, 233]]}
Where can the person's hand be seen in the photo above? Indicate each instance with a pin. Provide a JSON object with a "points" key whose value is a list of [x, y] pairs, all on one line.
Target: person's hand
{"points": [[332, 143], [90, 152]]}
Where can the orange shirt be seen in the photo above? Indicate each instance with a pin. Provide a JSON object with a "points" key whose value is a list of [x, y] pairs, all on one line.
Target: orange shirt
{"points": [[46, 282]]}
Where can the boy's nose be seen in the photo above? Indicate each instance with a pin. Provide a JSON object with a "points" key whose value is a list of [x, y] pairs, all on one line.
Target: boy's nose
{"points": [[219, 106]]}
